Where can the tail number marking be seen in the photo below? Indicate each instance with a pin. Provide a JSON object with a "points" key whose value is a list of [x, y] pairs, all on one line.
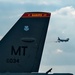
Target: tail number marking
{"points": [[11, 60]]}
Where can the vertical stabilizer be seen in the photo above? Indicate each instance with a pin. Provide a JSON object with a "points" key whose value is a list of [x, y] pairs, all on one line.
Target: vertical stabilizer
{"points": [[21, 48]]}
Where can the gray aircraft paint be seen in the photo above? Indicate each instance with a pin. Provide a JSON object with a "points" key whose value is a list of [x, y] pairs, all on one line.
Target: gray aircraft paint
{"points": [[21, 48]]}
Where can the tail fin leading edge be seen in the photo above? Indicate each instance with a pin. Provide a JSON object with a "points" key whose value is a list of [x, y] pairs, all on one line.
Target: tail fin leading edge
{"points": [[21, 48]]}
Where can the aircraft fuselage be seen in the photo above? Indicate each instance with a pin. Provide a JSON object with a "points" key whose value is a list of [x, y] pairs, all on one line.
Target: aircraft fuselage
{"points": [[35, 74]]}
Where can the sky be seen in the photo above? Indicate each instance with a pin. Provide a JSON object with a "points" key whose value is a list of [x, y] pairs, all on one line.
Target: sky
{"points": [[59, 56]]}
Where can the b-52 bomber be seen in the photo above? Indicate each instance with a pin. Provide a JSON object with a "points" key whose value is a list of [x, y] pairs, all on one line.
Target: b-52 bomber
{"points": [[21, 48]]}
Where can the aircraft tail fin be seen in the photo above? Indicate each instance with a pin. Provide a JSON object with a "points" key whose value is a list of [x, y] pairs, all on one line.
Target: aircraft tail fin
{"points": [[21, 48]]}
